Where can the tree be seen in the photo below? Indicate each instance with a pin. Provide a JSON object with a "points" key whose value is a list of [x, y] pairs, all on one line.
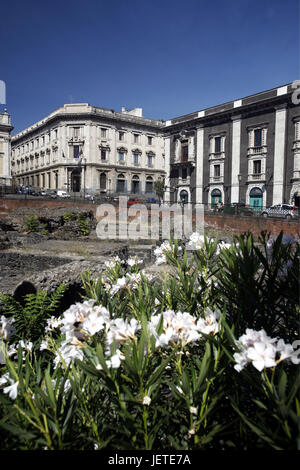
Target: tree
{"points": [[159, 187]]}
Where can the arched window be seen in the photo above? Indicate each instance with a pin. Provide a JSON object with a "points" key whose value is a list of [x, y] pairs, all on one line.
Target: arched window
{"points": [[216, 197], [256, 199], [135, 184], [149, 184], [103, 181], [121, 184], [184, 196]]}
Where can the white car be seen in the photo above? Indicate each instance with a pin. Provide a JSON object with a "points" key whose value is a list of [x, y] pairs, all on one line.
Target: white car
{"points": [[280, 210], [63, 194]]}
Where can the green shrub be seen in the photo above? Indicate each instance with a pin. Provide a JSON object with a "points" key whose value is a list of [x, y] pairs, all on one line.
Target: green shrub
{"points": [[69, 216], [143, 363], [31, 224]]}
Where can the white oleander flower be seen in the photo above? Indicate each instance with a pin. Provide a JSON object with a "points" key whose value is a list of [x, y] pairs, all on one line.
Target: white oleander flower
{"points": [[258, 348], [120, 284], [209, 324], [160, 252], [146, 400], [12, 388], [133, 261], [53, 323], [7, 329], [196, 241], [68, 352], [112, 264], [177, 327], [115, 361], [44, 344], [122, 330], [262, 355]]}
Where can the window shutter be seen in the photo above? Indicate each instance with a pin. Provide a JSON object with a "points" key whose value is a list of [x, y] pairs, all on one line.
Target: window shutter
{"points": [[297, 130], [251, 138], [264, 136], [223, 144]]}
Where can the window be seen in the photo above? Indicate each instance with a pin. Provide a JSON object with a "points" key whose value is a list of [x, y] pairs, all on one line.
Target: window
{"points": [[150, 161], [184, 173], [150, 140], [103, 133], [135, 158], [257, 137], [297, 130], [55, 134], [149, 184], [257, 167], [103, 155], [121, 156], [217, 144], [76, 131], [135, 184], [121, 186], [76, 151], [217, 171], [136, 138], [185, 153], [102, 181], [121, 135]]}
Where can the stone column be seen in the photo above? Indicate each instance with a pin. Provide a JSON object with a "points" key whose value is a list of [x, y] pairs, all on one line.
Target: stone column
{"points": [[167, 167], [279, 154], [235, 158], [199, 165]]}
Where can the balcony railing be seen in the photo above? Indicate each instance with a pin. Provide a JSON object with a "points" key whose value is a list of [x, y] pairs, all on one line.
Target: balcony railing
{"points": [[216, 155], [257, 150], [257, 177], [216, 179]]}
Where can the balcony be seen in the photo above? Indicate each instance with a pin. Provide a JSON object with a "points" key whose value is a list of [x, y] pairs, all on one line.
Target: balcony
{"points": [[257, 177], [216, 156], [216, 179], [296, 175], [257, 150]]}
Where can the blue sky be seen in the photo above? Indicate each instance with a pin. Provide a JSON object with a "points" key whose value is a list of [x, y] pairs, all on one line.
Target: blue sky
{"points": [[169, 57]]}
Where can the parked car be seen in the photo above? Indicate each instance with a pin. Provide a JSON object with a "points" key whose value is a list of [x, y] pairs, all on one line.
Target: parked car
{"points": [[286, 211], [35, 192], [63, 194], [134, 200], [238, 208], [52, 193], [43, 192], [152, 200], [90, 197]]}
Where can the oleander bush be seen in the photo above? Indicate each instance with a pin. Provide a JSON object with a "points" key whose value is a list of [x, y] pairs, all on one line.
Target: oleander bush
{"points": [[206, 358]]}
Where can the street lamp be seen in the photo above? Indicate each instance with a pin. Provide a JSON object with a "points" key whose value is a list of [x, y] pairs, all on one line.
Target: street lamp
{"points": [[83, 161]]}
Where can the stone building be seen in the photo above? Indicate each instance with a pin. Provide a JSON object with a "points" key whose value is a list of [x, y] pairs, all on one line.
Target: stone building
{"points": [[5, 149], [246, 150], [80, 148]]}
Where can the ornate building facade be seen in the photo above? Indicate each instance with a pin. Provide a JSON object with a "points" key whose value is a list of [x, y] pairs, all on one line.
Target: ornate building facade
{"points": [[80, 147], [5, 148], [246, 150]]}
